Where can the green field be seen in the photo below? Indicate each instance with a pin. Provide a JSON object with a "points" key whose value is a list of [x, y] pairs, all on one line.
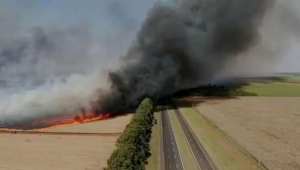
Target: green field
{"points": [[224, 152], [154, 159], [185, 152], [292, 78], [275, 89]]}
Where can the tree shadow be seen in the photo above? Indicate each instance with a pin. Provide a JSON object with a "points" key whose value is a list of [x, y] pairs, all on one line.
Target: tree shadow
{"points": [[191, 101]]}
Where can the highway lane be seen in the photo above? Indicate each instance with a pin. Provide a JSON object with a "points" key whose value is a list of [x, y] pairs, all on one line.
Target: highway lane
{"points": [[204, 162], [172, 158]]}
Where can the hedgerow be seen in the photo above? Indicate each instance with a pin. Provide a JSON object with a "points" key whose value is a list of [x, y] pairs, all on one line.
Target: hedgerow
{"points": [[133, 145], [214, 90]]}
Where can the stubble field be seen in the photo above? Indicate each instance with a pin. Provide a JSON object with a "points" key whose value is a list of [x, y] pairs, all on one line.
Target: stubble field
{"points": [[69, 151], [267, 127]]}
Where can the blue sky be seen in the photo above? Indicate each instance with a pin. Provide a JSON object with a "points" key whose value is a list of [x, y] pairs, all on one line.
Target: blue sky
{"points": [[103, 17], [99, 14]]}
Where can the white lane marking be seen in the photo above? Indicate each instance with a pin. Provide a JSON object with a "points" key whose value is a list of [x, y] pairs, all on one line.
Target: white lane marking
{"points": [[175, 141], [187, 141], [198, 142]]}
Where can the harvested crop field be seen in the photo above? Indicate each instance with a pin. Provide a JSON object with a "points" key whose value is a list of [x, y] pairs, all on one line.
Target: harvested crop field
{"points": [[267, 127], [74, 147], [49, 152], [109, 125]]}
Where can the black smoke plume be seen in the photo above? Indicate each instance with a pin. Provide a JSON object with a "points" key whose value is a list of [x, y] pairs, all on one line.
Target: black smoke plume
{"points": [[182, 44]]}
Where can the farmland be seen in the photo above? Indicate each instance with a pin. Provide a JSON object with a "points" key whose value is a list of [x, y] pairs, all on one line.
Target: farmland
{"points": [[274, 89], [109, 125], [266, 127], [254, 132], [62, 152], [224, 152]]}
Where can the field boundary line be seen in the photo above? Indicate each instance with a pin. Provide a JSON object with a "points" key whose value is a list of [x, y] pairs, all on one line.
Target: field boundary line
{"points": [[261, 164]]}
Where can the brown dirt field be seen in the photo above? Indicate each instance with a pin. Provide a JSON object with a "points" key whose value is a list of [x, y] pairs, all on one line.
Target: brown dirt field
{"points": [[110, 125], [76, 147], [267, 127]]}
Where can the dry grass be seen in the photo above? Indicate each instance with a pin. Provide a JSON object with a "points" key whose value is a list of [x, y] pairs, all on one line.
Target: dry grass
{"points": [[62, 152], [110, 125], [49, 152], [224, 153], [268, 128]]}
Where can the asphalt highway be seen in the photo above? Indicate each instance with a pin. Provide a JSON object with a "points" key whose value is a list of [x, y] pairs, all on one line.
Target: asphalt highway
{"points": [[172, 158], [202, 159]]}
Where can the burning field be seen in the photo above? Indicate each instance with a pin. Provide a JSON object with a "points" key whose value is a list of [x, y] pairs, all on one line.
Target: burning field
{"points": [[74, 141], [63, 120], [49, 71], [82, 146], [56, 121], [52, 67]]}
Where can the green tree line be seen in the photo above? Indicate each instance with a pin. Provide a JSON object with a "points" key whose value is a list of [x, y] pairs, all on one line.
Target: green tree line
{"points": [[214, 90], [133, 145]]}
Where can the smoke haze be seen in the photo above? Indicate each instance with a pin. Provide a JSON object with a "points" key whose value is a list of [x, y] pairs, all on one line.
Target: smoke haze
{"points": [[182, 45], [54, 58], [60, 66]]}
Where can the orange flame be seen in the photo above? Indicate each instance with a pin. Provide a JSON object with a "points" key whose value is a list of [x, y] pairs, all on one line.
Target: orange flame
{"points": [[81, 117], [63, 121]]}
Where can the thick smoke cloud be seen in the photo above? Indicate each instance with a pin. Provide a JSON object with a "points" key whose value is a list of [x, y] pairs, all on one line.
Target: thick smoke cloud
{"points": [[51, 66], [181, 45], [60, 67]]}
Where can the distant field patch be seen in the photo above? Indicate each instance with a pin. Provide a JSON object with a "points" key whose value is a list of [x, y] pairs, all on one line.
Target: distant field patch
{"points": [[292, 78], [279, 89]]}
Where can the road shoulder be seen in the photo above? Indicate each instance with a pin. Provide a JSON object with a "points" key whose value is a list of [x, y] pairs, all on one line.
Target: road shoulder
{"points": [[185, 152], [225, 154], [154, 161]]}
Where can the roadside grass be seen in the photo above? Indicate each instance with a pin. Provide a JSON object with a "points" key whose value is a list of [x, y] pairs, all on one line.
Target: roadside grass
{"points": [[224, 152], [154, 159], [274, 89], [186, 155]]}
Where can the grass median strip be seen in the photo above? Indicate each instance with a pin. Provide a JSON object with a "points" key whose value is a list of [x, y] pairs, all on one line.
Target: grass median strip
{"points": [[226, 154], [185, 152], [154, 159]]}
